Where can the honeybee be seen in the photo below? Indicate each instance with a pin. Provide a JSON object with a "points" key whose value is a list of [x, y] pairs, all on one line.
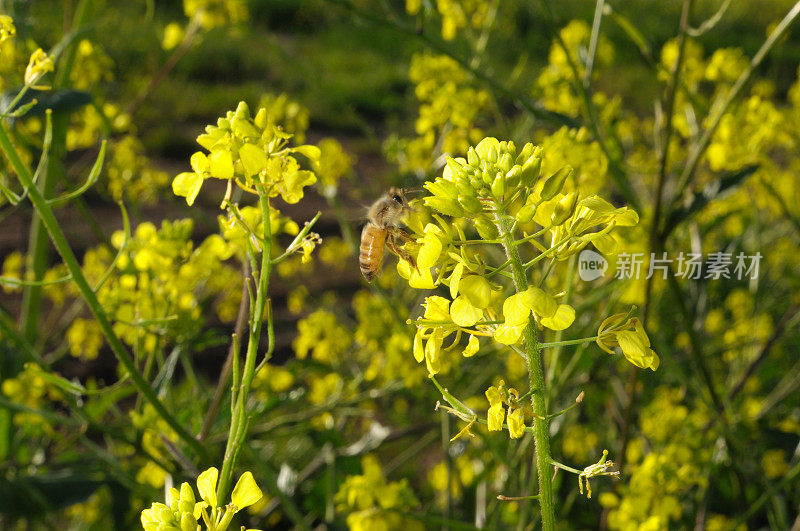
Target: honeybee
{"points": [[382, 228]]}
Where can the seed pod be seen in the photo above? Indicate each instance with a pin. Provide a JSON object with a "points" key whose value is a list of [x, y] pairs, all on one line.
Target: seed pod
{"points": [[555, 183]]}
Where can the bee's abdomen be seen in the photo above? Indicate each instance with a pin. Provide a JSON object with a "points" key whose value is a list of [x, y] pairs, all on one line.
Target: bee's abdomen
{"points": [[370, 255]]}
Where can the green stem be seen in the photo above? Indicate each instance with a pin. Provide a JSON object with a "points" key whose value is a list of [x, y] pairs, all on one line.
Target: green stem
{"points": [[45, 213], [568, 342], [38, 248], [541, 428], [239, 419], [719, 111]]}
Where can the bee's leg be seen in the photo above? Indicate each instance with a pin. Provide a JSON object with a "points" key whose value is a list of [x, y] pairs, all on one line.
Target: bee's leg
{"points": [[395, 234]]}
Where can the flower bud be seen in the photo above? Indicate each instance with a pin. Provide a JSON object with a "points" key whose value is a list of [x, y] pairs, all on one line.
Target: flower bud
{"points": [[454, 167], [492, 154], [527, 151], [530, 172], [472, 158], [476, 182], [188, 522], [470, 203], [486, 229], [499, 186], [487, 177], [555, 183], [525, 214], [565, 208], [465, 186], [442, 188], [513, 177], [448, 207], [504, 163]]}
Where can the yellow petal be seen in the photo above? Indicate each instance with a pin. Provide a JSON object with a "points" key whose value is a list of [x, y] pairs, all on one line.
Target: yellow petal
{"points": [[199, 162], [455, 279], [516, 310], [635, 350], [472, 347], [476, 289], [187, 184], [419, 350], [437, 308], [207, 486], [253, 158], [541, 302], [463, 313], [246, 492], [509, 334], [495, 417], [221, 164], [564, 316], [430, 250], [516, 424]]}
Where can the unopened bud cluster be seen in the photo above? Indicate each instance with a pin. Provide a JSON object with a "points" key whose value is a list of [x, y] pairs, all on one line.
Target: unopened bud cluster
{"points": [[178, 515], [494, 172]]}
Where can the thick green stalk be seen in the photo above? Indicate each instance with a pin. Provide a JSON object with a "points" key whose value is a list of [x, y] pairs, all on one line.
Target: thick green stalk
{"points": [[541, 428], [45, 212], [239, 420]]}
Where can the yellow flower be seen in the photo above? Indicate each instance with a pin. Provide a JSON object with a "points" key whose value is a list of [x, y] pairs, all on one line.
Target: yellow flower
{"points": [[632, 339], [516, 424], [7, 29], [38, 65]]}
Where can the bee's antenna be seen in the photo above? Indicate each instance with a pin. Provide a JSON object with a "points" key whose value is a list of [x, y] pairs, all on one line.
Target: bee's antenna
{"points": [[414, 191]]}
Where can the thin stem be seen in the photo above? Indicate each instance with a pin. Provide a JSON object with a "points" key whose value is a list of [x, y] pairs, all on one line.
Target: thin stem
{"points": [[568, 342], [45, 213], [213, 408], [598, 17], [260, 308], [716, 117], [541, 428]]}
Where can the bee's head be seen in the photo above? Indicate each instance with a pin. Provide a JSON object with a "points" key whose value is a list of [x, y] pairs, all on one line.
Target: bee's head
{"points": [[396, 195]]}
